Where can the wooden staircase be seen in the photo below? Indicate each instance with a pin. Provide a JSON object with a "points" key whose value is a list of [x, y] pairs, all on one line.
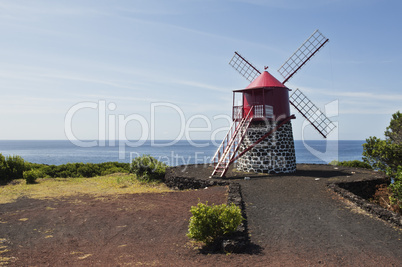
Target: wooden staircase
{"points": [[224, 155]]}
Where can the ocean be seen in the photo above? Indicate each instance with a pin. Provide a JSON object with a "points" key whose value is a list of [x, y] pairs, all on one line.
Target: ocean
{"points": [[172, 153]]}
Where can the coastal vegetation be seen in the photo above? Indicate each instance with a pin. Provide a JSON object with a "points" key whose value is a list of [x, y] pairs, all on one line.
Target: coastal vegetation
{"points": [[14, 167], [24, 179], [352, 163], [11, 167], [386, 155], [146, 168]]}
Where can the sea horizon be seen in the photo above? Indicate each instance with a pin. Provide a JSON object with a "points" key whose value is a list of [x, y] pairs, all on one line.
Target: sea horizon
{"points": [[172, 152]]}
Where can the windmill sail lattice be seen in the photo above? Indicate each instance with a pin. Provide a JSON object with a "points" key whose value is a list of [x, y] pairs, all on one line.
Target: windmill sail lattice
{"points": [[303, 54], [310, 111], [245, 68]]}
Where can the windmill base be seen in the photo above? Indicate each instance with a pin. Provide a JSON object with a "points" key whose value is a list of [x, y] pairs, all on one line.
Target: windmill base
{"points": [[275, 154]]}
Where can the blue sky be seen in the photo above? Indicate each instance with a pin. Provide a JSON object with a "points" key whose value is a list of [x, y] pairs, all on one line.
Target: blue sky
{"points": [[130, 54]]}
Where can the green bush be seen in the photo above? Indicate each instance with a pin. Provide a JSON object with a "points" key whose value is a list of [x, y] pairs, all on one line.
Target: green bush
{"points": [[3, 169], [396, 188], [15, 167], [31, 176], [209, 223], [352, 163], [114, 170], [148, 168], [88, 170], [65, 170], [114, 165], [386, 155], [84, 169]]}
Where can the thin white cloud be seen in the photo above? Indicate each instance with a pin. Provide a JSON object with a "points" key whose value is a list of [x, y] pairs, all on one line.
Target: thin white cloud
{"points": [[202, 85], [368, 95], [362, 96], [16, 104], [151, 10], [25, 10], [137, 100], [20, 76], [367, 111], [296, 4], [363, 103], [187, 30], [41, 75], [74, 77], [284, 4]]}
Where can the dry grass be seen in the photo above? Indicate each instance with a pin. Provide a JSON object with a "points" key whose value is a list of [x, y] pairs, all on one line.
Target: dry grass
{"points": [[114, 184]]}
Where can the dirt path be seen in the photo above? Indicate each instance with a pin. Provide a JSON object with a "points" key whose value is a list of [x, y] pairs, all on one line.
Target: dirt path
{"points": [[299, 220]]}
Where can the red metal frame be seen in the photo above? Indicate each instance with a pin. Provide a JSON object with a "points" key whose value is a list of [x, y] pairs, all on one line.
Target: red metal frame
{"points": [[224, 159]]}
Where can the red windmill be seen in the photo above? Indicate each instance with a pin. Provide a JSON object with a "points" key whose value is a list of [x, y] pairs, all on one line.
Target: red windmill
{"points": [[261, 137]]}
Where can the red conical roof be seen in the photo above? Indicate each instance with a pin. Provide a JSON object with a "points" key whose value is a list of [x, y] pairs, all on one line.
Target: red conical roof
{"points": [[265, 80]]}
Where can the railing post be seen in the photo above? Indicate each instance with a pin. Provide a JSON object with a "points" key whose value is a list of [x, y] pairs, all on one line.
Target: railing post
{"points": [[264, 114]]}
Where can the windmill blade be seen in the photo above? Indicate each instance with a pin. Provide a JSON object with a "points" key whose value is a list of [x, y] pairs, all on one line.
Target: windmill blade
{"points": [[303, 54], [245, 68], [310, 111]]}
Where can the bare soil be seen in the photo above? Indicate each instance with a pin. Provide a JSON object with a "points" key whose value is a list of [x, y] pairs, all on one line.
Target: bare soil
{"points": [[382, 198], [293, 220], [137, 229]]}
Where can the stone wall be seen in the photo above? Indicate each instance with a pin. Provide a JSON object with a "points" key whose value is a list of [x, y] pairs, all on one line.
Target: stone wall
{"points": [[350, 191], [275, 154]]}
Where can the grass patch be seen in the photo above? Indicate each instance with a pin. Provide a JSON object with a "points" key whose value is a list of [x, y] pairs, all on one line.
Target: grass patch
{"points": [[351, 163], [45, 188]]}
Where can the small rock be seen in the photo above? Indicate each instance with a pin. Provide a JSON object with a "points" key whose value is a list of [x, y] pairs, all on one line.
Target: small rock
{"points": [[229, 245], [246, 178]]}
